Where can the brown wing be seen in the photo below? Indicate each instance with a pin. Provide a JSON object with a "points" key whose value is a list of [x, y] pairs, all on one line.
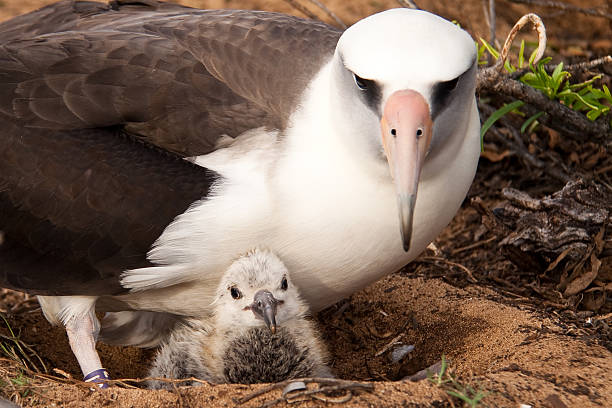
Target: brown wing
{"points": [[79, 207], [179, 78]]}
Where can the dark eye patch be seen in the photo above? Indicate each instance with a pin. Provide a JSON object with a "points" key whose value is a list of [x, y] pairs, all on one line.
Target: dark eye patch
{"points": [[370, 91], [442, 94]]}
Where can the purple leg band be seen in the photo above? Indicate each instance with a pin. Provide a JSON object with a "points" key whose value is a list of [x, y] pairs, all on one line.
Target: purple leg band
{"points": [[98, 376]]}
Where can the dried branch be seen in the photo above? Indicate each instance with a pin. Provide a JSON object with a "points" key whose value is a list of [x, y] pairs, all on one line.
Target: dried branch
{"points": [[578, 124], [488, 9], [538, 26], [329, 13], [566, 7], [572, 69], [408, 4], [424, 373], [390, 344], [435, 259], [295, 397], [302, 9], [491, 19], [334, 384]]}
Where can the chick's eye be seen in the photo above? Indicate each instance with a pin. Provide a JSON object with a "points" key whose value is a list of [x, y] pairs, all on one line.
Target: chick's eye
{"points": [[235, 292], [361, 82], [284, 284]]}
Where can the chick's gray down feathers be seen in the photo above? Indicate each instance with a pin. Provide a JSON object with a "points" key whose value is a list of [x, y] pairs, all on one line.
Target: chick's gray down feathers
{"points": [[256, 356]]}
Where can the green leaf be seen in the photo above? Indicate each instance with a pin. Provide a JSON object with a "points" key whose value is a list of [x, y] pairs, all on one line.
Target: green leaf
{"points": [[528, 77], [495, 117], [490, 49], [607, 92], [594, 114], [531, 120], [521, 55], [558, 72], [588, 103]]}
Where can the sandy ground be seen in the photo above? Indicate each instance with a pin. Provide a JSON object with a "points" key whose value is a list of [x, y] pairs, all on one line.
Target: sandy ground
{"points": [[516, 349], [515, 352]]}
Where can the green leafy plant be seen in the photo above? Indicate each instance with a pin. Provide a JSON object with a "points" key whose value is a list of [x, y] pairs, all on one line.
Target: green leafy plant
{"points": [[18, 384], [582, 97], [445, 379]]}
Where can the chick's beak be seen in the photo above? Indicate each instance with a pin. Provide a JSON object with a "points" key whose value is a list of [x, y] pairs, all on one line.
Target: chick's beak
{"points": [[264, 306], [406, 135]]}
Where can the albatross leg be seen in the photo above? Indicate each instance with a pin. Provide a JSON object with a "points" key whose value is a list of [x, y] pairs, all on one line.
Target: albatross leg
{"points": [[77, 314], [82, 333]]}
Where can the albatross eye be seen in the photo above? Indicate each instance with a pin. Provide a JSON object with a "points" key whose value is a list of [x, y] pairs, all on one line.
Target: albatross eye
{"points": [[235, 292], [361, 82], [284, 284]]}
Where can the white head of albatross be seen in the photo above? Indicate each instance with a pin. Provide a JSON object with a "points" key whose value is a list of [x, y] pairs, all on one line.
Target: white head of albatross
{"points": [[413, 74]]}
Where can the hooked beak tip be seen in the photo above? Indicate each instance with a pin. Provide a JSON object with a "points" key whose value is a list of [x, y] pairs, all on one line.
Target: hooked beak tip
{"points": [[406, 242], [406, 211], [264, 306]]}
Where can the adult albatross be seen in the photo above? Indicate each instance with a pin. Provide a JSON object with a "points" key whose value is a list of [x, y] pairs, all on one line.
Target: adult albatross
{"points": [[300, 139]]}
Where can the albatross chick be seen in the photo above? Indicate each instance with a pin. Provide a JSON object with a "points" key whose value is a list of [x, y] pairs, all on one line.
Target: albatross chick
{"points": [[258, 331]]}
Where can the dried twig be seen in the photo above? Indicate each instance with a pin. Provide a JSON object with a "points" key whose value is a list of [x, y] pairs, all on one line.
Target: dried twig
{"points": [[434, 259], [538, 26], [302, 9], [390, 344], [472, 246], [408, 4], [161, 379], [493, 22], [331, 14], [424, 373], [488, 9], [566, 7], [334, 385], [572, 69], [298, 396]]}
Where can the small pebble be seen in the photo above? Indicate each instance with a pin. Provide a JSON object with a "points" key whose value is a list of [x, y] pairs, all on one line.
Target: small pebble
{"points": [[400, 352]]}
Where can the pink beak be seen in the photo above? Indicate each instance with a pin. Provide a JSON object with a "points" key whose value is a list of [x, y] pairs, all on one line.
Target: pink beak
{"points": [[406, 134]]}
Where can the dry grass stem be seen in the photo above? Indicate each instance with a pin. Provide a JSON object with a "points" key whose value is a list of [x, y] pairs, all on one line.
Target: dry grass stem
{"points": [[330, 13], [538, 26]]}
